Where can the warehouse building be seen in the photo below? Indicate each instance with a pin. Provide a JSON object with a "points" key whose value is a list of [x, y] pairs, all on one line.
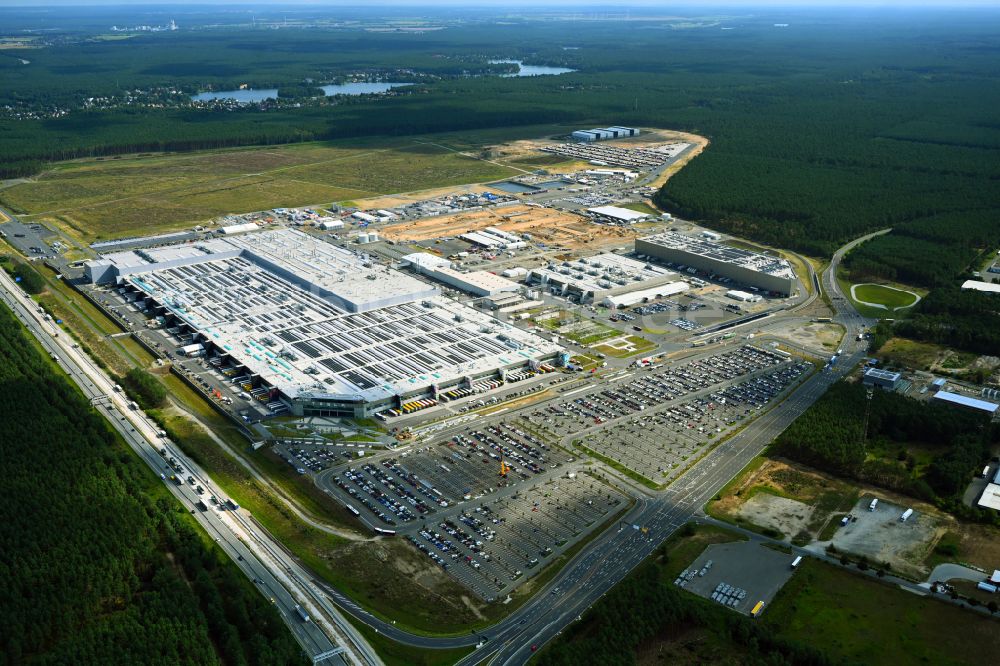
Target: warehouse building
{"points": [[744, 296], [631, 298], [591, 279], [730, 264], [975, 404], [979, 285], [239, 228], [617, 214], [477, 283], [881, 378], [605, 133], [315, 328]]}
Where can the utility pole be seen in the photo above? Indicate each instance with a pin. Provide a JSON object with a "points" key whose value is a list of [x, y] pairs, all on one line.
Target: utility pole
{"points": [[868, 410]]}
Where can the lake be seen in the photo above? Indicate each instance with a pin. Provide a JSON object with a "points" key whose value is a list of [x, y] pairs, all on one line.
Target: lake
{"points": [[250, 95], [533, 70], [363, 88]]}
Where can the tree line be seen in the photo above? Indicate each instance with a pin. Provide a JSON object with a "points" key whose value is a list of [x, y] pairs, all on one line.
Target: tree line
{"points": [[643, 607], [831, 436], [100, 564], [963, 319]]}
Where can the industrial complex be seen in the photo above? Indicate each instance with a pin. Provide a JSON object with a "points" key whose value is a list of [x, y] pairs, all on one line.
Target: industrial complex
{"points": [[607, 277], [531, 350], [602, 134], [322, 330], [731, 264]]}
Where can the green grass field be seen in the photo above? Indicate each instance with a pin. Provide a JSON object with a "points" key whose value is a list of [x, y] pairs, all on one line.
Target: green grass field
{"points": [[857, 620], [109, 198], [641, 207], [890, 297]]}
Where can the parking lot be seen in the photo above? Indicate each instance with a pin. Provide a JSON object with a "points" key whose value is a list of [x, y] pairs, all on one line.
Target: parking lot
{"points": [[638, 391], [662, 445], [464, 467], [314, 456], [30, 239], [493, 546], [737, 574], [490, 505]]}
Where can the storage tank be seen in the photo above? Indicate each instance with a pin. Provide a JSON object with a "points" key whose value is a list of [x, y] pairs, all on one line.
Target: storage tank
{"points": [[372, 237], [362, 238]]}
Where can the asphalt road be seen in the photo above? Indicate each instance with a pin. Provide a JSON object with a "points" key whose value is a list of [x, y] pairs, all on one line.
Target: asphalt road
{"points": [[613, 554], [587, 577], [261, 559]]}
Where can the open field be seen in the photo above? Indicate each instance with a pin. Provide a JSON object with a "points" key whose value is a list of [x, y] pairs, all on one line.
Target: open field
{"points": [[545, 225], [935, 358], [107, 198], [641, 207], [888, 297], [863, 621], [776, 496]]}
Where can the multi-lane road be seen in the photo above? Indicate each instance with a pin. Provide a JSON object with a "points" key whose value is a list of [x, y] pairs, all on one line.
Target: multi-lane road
{"points": [[263, 560]]}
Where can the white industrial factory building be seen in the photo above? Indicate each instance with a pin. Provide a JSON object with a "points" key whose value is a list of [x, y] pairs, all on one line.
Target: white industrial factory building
{"points": [[594, 279], [321, 329], [477, 283], [731, 264], [605, 133]]}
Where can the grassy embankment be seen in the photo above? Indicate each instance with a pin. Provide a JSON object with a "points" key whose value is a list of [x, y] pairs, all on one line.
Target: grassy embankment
{"points": [[855, 619]]}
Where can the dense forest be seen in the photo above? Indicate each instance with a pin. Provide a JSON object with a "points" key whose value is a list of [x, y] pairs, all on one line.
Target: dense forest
{"points": [[100, 564], [643, 607], [830, 437], [929, 252], [968, 320], [835, 126], [24, 273]]}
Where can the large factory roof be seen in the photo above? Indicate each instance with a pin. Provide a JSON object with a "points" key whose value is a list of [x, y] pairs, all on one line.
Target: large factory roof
{"points": [[633, 297], [347, 280], [619, 213], [603, 272], [267, 306], [710, 249]]}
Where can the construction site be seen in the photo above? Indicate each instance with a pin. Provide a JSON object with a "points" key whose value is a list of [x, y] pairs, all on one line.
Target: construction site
{"points": [[554, 228]]}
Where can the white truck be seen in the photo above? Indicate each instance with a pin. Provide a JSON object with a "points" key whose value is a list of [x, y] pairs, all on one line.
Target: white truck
{"points": [[906, 515], [871, 507]]}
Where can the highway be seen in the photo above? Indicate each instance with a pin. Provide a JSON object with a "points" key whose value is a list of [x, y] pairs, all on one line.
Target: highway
{"points": [[327, 638]]}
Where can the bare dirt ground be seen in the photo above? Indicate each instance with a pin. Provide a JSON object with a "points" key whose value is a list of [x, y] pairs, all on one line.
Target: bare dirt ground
{"points": [[406, 579], [650, 137], [813, 335], [404, 198], [549, 226], [794, 501], [785, 515], [882, 537]]}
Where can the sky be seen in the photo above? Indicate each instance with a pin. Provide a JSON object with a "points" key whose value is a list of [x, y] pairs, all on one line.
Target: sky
{"points": [[665, 4]]}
